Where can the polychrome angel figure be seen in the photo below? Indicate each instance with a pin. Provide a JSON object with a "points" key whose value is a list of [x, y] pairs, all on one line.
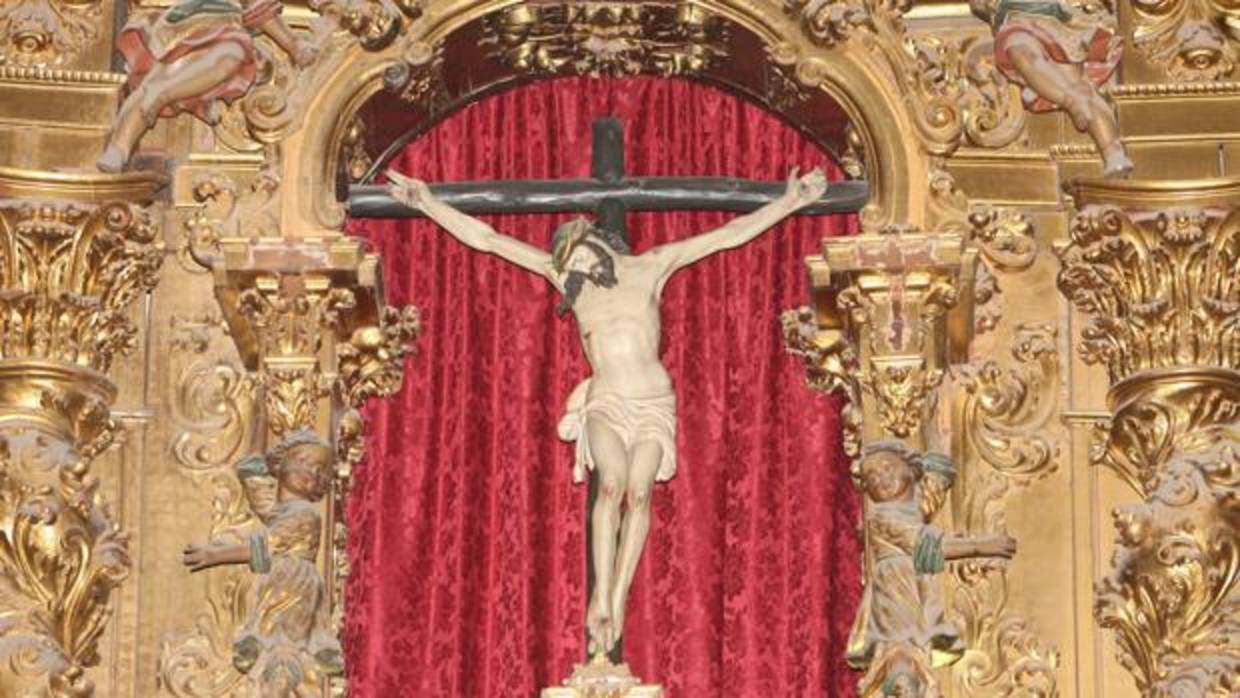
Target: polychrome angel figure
{"points": [[193, 57], [288, 628], [902, 608], [1060, 56]]}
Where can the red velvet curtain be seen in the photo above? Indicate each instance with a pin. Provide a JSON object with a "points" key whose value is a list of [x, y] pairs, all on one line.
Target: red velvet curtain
{"points": [[468, 535]]}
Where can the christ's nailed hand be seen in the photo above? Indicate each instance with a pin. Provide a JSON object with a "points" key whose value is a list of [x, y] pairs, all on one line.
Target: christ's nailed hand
{"points": [[806, 190], [412, 192]]}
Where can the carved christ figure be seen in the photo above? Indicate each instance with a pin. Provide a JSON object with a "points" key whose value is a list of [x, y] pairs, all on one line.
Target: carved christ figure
{"points": [[623, 417]]}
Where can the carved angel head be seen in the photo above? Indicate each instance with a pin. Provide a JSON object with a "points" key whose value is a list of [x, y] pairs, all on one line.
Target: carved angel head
{"points": [[302, 464]]}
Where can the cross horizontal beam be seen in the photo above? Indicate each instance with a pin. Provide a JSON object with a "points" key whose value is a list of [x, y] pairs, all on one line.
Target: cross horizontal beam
{"points": [[586, 195]]}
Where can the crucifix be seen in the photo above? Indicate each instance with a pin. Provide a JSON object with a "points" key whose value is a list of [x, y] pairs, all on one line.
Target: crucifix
{"points": [[623, 417]]}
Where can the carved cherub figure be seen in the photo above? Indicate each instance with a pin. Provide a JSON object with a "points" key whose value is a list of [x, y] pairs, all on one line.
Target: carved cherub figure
{"points": [[1060, 56], [288, 628], [191, 58], [902, 611]]}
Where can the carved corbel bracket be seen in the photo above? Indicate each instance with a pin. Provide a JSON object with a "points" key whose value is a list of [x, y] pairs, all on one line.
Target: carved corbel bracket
{"points": [[1152, 267], [903, 302], [77, 251]]}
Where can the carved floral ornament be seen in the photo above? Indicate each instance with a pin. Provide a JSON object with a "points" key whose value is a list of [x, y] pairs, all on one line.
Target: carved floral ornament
{"points": [[70, 272], [610, 38], [1157, 283], [47, 33], [1160, 287], [953, 90], [1192, 40]]}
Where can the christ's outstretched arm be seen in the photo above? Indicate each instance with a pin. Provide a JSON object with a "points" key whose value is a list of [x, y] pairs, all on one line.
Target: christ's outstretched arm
{"points": [[469, 230], [801, 192]]}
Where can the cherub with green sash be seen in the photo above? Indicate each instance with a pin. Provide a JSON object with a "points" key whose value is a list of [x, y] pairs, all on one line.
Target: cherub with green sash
{"points": [[901, 628], [287, 640]]}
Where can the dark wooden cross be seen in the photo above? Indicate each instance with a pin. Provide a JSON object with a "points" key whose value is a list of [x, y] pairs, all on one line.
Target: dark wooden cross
{"points": [[609, 195]]}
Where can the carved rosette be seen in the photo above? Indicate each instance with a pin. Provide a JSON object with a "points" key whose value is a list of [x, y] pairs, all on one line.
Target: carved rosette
{"points": [[47, 33], [1192, 40], [607, 38], [75, 252], [309, 322], [1154, 268]]}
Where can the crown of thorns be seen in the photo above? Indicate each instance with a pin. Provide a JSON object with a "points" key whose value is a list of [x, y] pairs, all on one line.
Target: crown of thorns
{"points": [[570, 235]]}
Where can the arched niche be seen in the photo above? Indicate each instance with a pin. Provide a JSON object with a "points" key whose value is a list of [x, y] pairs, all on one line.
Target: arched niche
{"points": [[452, 48]]}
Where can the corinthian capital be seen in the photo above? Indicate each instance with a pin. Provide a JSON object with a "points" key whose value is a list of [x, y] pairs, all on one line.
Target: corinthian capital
{"points": [[1155, 269], [75, 252]]}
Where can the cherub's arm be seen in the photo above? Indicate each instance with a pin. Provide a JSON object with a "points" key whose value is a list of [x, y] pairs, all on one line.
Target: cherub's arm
{"points": [[469, 230], [801, 192], [960, 547], [200, 557]]}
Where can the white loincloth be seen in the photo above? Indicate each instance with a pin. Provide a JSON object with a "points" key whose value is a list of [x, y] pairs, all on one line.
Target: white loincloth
{"points": [[634, 420]]}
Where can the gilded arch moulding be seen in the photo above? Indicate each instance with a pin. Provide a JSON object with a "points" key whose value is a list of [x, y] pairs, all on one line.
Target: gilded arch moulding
{"points": [[857, 77]]}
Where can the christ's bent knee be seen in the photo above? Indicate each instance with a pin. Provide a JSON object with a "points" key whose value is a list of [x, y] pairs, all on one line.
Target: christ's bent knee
{"points": [[610, 491], [639, 498]]}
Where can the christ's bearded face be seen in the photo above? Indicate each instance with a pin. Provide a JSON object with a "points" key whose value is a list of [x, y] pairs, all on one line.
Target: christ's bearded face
{"points": [[591, 261]]}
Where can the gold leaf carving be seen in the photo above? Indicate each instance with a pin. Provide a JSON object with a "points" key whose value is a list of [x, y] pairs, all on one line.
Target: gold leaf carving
{"points": [[1160, 288], [70, 272], [1192, 40], [46, 33], [607, 38], [213, 399], [1003, 414], [60, 558], [953, 89]]}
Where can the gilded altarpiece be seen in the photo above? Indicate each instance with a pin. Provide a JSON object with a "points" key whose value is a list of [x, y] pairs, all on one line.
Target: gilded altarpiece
{"points": [[1067, 343]]}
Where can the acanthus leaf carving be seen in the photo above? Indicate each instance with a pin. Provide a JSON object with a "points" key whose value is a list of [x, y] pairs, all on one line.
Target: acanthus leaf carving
{"points": [[1003, 413], [46, 33], [1192, 40], [607, 38], [71, 272]]}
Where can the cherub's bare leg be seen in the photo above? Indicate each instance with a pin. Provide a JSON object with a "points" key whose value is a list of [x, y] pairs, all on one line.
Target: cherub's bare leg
{"points": [[611, 462], [194, 74], [647, 455], [1067, 87]]}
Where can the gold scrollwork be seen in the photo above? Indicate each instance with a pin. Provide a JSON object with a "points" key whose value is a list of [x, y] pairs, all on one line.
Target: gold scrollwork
{"points": [[951, 84], [1003, 413], [1192, 40], [46, 33], [71, 272], [60, 559], [610, 38], [213, 398], [1174, 595], [1160, 287]]}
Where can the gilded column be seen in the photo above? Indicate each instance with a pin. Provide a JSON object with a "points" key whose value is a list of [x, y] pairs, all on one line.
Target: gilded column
{"points": [[76, 252], [1154, 267]]}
